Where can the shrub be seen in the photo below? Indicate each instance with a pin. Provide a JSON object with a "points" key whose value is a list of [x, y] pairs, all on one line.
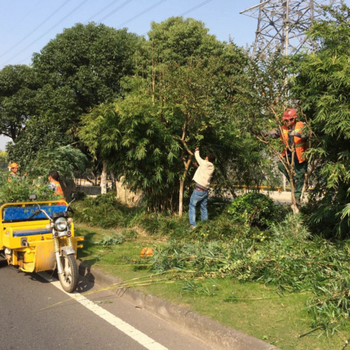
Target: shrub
{"points": [[116, 238], [255, 209], [217, 206], [20, 190], [104, 211], [157, 224], [292, 227]]}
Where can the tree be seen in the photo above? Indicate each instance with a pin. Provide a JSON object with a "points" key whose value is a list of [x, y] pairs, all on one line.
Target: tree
{"points": [[198, 110], [259, 100], [181, 41], [323, 87], [185, 93], [3, 161], [64, 159], [175, 104], [148, 151], [42, 148], [82, 68], [18, 86], [99, 132]]}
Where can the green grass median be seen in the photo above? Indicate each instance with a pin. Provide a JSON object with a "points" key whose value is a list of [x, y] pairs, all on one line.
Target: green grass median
{"points": [[261, 310]]}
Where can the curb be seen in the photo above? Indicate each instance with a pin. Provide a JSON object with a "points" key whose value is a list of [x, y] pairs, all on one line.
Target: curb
{"points": [[215, 334]]}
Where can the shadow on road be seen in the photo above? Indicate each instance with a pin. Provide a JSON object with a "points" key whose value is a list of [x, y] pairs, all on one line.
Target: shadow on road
{"points": [[84, 285], [3, 263]]}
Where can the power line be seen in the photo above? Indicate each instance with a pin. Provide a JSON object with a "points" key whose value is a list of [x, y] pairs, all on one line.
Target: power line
{"points": [[50, 29], [141, 13], [99, 12], [196, 7], [23, 18], [35, 29], [115, 10], [101, 20], [89, 19]]}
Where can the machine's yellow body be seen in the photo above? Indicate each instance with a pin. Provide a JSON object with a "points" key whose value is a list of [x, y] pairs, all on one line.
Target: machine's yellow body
{"points": [[28, 242]]}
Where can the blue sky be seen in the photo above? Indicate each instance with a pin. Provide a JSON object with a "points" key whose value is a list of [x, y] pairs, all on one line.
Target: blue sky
{"points": [[26, 26]]}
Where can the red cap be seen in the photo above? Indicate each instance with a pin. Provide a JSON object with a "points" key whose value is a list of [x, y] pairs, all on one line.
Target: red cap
{"points": [[290, 114]]}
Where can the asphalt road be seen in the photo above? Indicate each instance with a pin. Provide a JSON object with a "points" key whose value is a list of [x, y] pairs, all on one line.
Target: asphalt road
{"points": [[35, 314]]}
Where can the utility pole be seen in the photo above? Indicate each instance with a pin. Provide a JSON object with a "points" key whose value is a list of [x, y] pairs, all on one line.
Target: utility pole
{"points": [[282, 24]]}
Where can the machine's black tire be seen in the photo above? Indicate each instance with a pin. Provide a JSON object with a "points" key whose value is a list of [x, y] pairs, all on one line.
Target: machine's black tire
{"points": [[69, 277]]}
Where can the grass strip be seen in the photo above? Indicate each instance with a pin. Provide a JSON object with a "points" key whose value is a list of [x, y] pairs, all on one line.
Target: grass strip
{"points": [[254, 308]]}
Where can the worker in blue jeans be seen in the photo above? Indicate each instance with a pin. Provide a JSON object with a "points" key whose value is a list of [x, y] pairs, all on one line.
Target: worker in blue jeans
{"points": [[202, 179]]}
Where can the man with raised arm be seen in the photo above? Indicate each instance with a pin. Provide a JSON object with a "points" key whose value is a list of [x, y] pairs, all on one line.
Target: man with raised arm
{"points": [[202, 179]]}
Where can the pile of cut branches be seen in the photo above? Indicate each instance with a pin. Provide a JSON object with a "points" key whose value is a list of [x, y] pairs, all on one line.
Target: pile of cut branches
{"points": [[289, 260]]}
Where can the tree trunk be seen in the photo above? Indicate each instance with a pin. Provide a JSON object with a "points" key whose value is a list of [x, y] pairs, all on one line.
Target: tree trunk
{"points": [[182, 185], [104, 178], [181, 197], [290, 166], [113, 180], [227, 182], [187, 164]]}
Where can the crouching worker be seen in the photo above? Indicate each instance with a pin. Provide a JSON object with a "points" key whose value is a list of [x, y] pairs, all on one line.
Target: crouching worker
{"points": [[202, 179]]}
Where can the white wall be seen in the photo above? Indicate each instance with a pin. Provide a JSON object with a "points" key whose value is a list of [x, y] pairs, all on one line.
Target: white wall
{"points": [[3, 142]]}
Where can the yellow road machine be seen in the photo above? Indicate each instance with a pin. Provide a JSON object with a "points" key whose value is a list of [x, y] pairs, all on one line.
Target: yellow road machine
{"points": [[39, 236]]}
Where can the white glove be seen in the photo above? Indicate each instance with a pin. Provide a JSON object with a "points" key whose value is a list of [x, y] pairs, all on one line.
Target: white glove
{"points": [[294, 133]]}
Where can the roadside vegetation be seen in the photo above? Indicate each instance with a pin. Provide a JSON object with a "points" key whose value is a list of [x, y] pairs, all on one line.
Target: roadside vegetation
{"points": [[136, 110], [20, 190], [280, 282]]}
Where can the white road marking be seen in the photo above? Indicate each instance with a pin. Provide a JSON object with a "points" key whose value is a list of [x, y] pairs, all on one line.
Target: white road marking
{"points": [[118, 323]]}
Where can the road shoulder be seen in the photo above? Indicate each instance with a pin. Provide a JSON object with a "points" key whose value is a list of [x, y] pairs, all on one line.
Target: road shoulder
{"points": [[212, 332]]}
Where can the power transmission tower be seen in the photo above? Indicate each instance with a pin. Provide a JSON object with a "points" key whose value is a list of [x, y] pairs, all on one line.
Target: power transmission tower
{"points": [[282, 23]]}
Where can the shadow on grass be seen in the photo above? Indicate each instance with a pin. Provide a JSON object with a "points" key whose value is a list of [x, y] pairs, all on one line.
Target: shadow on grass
{"points": [[87, 246], [216, 206]]}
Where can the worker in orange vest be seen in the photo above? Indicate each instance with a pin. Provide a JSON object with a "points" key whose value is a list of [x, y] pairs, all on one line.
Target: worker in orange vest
{"points": [[55, 184], [292, 135]]}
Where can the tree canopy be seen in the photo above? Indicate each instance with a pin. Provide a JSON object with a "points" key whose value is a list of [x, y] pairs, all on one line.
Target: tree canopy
{"points": [[175, 102], [17, 98], [323, 88], [83, 65], [79, 69], [139, 107]]}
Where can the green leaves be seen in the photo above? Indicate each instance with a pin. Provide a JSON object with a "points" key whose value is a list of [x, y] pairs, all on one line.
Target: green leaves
{"points": [[17, 98], [116, 238], [287, 260], [89, 59], [181, 41], [255, 209], [19, 190], [103, 211], [322, 86], [64, 159]]}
